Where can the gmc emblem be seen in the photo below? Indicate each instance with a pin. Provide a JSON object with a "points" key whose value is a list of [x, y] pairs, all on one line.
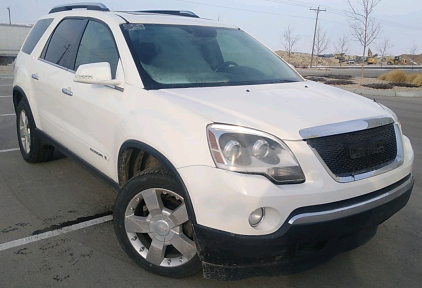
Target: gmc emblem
{"points": [[366, 148]]}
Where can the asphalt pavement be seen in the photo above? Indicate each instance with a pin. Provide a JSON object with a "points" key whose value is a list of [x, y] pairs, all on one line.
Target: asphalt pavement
{"points": [[46, 196]]}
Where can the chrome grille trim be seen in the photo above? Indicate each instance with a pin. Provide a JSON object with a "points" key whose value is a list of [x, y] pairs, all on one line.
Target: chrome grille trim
{"points": [[353, 126], [344, 127]]}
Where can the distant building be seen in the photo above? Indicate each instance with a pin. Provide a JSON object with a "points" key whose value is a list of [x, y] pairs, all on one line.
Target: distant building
{"points": [[11, 38]]}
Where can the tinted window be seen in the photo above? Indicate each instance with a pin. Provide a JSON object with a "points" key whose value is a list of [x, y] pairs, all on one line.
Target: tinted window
{"points": [[63, 43], [35, 35], [97, 45]]}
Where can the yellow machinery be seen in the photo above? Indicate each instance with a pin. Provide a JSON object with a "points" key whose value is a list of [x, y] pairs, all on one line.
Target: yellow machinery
{"points": [[371, 59], [398, 60]]}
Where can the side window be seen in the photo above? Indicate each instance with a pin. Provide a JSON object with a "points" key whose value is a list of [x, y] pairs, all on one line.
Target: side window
{"points": [[35, 35], [97, 45], [63, 43]]}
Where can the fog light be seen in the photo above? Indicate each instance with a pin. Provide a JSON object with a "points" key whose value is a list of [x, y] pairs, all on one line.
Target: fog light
{"points": [[257, 217]]}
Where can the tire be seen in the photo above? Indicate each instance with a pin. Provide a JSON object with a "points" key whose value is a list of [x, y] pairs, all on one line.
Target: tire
{"points": [[31, 146], [152, 225]]}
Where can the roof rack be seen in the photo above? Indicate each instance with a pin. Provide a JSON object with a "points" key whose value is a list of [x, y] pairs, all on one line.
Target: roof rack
{"points": [[88, 6], [172, 12], [102, 7]]}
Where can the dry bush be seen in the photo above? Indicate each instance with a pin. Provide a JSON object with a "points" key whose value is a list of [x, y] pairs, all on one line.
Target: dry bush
{"points": [[379, 86], [397, 76], [400, 78], [412, 77], [418, 80], [383, 76]]}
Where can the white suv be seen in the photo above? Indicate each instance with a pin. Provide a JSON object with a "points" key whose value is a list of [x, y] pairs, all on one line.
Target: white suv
{"points": [[223, 156]]}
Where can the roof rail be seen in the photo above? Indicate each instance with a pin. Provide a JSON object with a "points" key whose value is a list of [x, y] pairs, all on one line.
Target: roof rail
{"points": [[87, 5], [172, 12]]}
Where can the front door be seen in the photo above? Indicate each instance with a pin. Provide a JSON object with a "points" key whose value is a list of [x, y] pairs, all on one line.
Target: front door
{"points": [[91, 112]]}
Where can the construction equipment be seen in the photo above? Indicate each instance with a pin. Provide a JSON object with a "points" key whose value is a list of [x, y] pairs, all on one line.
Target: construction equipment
{"points": [[398, 60], [371, 59]]}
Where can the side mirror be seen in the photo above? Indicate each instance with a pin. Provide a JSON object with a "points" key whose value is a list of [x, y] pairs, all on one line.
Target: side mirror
{"points": [[95, 73]]}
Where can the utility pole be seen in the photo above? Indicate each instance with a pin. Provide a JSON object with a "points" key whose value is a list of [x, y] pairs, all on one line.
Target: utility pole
{"points": [[316, 25], [10, 21]]}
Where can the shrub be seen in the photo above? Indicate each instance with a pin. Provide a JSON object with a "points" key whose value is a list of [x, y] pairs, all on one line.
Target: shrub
{"points": [[418, 80], [396, 76], [383, 76], [412, 77], [379, 86], [338, 82]]}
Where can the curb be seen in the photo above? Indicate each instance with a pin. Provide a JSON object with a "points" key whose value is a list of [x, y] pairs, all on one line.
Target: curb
{"points": [[387, 93], [6, 76]]}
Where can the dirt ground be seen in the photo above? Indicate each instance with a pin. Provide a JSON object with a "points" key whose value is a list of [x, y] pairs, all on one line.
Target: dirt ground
{"points": [[300, 60]]}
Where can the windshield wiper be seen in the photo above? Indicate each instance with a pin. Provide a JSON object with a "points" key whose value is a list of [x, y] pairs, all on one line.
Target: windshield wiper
{"points": [[282, 81]]}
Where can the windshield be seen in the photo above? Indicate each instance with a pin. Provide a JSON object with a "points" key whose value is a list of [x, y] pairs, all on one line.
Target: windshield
{"points": [[195, 56]]}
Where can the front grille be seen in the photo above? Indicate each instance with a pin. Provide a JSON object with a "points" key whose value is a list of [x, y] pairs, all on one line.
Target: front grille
{"points": [[335, 150]]}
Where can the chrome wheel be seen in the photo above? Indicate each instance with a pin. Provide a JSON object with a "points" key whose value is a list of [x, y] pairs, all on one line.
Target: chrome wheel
{"points": [[157, 225], [25, 132]]}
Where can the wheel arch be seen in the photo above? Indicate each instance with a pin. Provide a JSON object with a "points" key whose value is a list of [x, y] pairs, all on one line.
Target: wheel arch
{"points": [[138, 145], [19, 95]]}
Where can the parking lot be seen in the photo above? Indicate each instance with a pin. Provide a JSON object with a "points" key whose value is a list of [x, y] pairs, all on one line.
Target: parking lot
{"points": [[40, 198]]}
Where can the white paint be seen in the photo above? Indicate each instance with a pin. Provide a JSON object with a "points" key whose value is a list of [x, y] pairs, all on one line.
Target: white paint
{"points": [[7, 114], [6, 96], [46, 235], [9, 150]]}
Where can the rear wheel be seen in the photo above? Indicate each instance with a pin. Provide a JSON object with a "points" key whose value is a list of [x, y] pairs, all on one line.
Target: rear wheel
{"points": [[31, 146], [153, 227]]}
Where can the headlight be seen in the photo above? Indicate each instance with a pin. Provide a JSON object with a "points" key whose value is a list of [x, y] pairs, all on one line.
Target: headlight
{"points": [[249, 151]]}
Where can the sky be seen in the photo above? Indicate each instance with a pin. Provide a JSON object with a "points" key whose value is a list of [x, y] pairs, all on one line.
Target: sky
{"points": [[267, 19]]}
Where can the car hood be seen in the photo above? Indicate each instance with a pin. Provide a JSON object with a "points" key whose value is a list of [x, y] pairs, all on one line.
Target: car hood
{"points": [[280, 109]]}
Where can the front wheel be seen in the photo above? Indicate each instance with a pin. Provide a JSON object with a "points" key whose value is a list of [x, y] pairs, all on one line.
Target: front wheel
{"points": [[152, 225]]}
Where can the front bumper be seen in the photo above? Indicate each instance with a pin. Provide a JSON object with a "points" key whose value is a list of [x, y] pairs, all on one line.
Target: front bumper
{"points": [[309, 236], [223, 200]]}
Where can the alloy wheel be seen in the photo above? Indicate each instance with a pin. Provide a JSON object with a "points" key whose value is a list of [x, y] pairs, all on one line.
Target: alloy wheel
{"points": [[157, 224]]}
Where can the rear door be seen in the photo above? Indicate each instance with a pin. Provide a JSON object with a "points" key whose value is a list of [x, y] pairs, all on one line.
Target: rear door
{"points": [[51, 71]]}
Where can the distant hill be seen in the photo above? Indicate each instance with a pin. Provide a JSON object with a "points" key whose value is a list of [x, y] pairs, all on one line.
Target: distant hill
{"points": [[302, 60], [418, 58]]}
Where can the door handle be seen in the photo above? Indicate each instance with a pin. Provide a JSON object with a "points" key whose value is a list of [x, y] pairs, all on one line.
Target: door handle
{"points": [[67, 92], [35, 76]]}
